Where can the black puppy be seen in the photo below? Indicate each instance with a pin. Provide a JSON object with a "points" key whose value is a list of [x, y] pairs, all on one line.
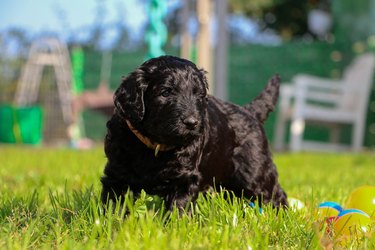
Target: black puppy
{"points": [[170, 138]]}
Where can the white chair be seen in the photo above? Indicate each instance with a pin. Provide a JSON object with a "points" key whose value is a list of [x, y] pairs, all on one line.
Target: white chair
{"points": [[332, 103]]}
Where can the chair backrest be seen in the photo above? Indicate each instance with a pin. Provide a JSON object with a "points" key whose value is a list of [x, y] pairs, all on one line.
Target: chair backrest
{"points": [[358, 78]]}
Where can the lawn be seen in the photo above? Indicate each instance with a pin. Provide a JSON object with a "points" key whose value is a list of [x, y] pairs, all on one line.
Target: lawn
{"points": [[49, 199]]}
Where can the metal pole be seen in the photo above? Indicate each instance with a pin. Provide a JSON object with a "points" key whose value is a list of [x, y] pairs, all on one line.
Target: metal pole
{"points": [[203, 43], [221, 60], [186, 39]]}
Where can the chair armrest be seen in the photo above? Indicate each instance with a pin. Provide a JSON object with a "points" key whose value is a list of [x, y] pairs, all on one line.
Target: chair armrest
{"points": [[330, 93], [311, 90], [318, 84], [323, 97]]}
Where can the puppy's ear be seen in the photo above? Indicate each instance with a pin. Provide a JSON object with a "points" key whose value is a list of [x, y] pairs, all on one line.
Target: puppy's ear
{"points": [[128, 98], [204, 78]]}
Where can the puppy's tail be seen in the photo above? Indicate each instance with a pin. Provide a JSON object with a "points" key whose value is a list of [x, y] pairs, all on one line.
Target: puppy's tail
{"points": [[265, 102]]}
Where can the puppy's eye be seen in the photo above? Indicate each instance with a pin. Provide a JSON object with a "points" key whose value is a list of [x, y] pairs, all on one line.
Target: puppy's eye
{"points": [[165, 92]]}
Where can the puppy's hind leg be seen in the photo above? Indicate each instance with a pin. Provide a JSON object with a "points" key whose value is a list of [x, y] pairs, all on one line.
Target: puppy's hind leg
{"points": [[279, 198], [261, 189]]}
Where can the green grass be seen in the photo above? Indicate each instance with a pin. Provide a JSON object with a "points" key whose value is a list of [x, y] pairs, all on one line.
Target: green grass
{"points": [[49, 199]]}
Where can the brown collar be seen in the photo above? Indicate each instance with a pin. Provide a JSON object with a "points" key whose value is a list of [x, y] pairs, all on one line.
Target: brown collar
{"points": [[145, 140]]}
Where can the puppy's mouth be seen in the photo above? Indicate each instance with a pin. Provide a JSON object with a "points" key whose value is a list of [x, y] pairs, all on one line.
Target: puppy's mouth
{"points": [[171, 132], [177, 135], [164, 143]]}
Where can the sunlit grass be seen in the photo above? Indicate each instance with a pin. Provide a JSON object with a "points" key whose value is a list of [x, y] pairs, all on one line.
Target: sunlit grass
{"points": [[49, 199]]}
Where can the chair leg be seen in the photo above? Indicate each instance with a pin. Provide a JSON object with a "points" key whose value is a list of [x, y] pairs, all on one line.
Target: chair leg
{"points": [[357, 136], [286, 95], [279, 133], [334, 136], [296, 134]]}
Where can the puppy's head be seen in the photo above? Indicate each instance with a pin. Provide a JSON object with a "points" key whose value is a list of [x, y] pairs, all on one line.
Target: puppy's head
{"points": [[165, 99]]}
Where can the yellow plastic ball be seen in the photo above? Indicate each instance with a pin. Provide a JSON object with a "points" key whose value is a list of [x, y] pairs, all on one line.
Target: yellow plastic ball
{"points": [[363, 198], [352, 222]]}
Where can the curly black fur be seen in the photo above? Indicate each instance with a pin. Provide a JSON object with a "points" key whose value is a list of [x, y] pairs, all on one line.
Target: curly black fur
{"points": [[166, 100]]}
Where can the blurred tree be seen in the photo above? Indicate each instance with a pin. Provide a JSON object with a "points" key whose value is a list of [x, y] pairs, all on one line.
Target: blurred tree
{"points": [[16, 41], [121, 42], [251, 8], [355, 20], [97, 32], [288, 17], [14, 44]]}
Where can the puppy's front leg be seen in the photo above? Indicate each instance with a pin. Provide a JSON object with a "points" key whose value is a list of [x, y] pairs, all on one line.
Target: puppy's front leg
{"points": [[181, 198], [112, 190], [111, 194], [180, 201]]}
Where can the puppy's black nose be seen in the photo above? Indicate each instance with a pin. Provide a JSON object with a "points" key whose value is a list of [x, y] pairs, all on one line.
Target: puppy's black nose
{"points": [[191, 122]]}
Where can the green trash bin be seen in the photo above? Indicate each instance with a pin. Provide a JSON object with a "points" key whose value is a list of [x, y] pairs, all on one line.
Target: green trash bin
{"points": [[21, 124]]}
